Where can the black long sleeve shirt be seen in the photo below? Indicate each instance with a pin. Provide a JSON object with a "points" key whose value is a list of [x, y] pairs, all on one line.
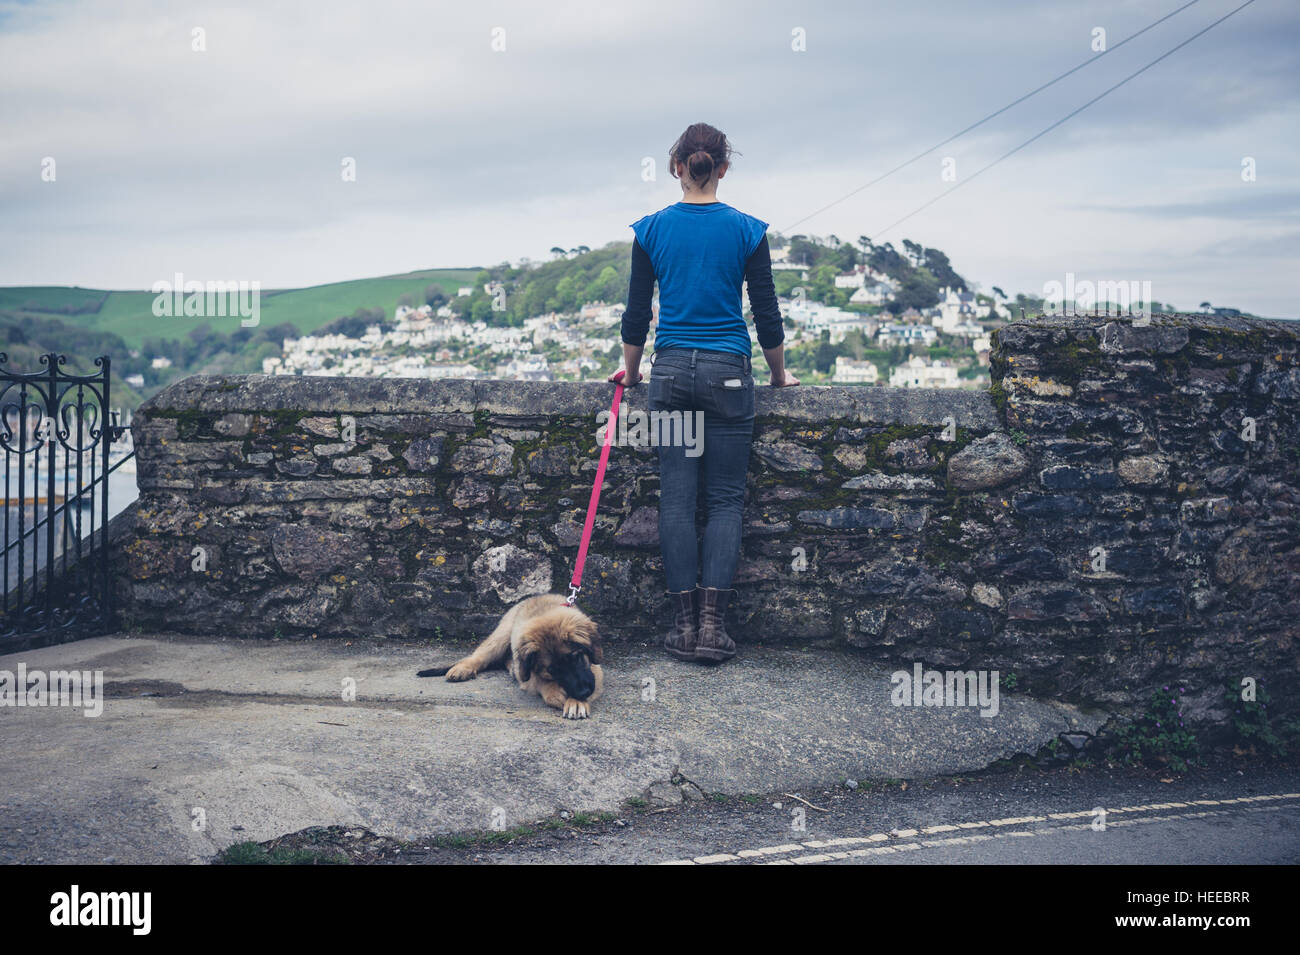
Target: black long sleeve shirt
{"points": [[758, 277]]}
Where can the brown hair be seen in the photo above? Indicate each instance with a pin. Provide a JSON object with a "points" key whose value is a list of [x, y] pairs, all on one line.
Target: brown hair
{"points": [[703, 149]]}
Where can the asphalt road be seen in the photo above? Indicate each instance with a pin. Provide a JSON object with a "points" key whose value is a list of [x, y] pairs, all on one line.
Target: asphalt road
{"points": [[1233, 814]]}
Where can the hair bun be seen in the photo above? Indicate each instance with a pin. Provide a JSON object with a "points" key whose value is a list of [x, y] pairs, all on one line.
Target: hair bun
{"points": [[702, 160]]}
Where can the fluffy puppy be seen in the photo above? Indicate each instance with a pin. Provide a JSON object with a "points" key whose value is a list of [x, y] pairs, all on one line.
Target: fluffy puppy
{"points": [[549, 647]]}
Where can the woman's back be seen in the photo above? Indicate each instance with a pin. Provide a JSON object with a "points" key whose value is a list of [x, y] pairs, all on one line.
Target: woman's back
{"points": [[699, 253]]}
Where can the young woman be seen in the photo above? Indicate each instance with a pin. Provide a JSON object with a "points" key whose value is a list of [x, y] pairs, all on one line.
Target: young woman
{"points": [[700, 250]]}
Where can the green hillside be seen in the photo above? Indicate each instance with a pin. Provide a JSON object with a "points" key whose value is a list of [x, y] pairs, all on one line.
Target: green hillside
{"points": [[84, 323], [129, 315]]}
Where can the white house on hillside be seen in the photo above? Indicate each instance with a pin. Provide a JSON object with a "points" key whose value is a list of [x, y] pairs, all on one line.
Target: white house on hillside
{"points": [[840, 326], [849, 371], [954, 308], [852, 279], [877, 294], [893, 333], [917, 373]]}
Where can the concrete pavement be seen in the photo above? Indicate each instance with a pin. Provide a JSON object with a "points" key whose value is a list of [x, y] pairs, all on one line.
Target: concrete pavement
{"points": [[202, 744]]}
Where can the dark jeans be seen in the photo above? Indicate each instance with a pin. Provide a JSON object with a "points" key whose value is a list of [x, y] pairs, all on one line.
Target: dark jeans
{"points": [[691, 380]]}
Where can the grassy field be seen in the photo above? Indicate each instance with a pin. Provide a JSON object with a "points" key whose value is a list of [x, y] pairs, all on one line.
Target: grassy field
{"points": [[130, 314]]}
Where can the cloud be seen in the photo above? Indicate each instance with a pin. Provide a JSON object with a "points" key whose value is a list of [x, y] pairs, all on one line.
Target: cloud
{"points": [[1248, 204], [229, 159]]}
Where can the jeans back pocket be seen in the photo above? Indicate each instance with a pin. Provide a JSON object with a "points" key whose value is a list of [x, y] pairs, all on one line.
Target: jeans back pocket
{"points": [[733, 394], [660, 394]]}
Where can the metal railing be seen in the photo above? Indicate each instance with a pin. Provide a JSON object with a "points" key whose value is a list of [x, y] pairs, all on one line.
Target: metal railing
{"points": [[56, 561]]}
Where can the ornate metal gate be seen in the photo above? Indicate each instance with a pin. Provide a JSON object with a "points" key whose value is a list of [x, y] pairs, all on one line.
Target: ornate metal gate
{"points": [[58, 454]]}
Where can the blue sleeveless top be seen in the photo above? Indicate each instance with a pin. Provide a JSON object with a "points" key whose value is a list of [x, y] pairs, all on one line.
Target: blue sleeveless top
{"points": [[699, 252]]}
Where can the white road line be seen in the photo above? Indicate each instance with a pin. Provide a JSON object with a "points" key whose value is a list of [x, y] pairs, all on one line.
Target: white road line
{"points": [[1011, 834], [787, 849]]}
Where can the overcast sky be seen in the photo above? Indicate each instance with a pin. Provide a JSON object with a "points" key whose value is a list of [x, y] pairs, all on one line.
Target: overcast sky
{"points": [[225, 164]]}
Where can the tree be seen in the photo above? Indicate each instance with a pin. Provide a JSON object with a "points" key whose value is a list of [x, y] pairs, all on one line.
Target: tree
{"points": [[914, 252], [1205, 307], [918, 291], [558, 252], [856, 343], [354, 325], [434, 296], [606, 287], [884, 259], [803, 251], [939, 266], [844, 257], [826, 354]]}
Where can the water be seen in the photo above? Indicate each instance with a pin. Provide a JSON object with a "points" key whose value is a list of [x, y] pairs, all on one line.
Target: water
{"points": [[122, 491]]}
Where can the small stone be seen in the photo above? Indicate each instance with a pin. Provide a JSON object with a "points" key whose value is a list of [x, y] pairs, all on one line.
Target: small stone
{"points": [[330, 450], [484, 457], [850, 784], [1043, 387], [424, 454], [851, 518], [788, 456], [1144, 471], [233, 425], [322, 426], [988, 462], [297, 467], [640, 529], [352, 465], [664, 794]]}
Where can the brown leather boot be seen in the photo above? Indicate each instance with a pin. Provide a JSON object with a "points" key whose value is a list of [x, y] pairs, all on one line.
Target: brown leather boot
{"points": [[680, 641], [712, 645]]}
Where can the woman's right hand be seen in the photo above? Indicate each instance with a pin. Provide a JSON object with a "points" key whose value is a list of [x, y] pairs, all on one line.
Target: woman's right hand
{"points": [[789, 380]]}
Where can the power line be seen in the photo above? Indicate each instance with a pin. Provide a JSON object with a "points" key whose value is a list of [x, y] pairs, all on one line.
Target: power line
{"points": [[981, 122], [1063, 119]]}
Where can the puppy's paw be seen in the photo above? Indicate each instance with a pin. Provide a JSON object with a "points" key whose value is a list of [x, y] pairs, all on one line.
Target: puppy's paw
{"points": [[460, 672], [576, 710]]}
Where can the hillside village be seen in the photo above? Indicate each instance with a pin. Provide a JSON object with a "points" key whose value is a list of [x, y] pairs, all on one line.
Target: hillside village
{"points": [[433, 342]]}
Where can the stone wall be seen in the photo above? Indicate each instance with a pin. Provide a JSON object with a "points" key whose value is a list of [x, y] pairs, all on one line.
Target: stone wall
{"points": [[1095, 524]]}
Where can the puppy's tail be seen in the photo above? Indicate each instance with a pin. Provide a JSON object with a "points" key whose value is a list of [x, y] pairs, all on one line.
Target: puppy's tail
{"points": [[434, 671]]}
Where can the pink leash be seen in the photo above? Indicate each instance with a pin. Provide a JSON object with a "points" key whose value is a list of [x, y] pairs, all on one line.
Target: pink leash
{"points": [[576, 583]]}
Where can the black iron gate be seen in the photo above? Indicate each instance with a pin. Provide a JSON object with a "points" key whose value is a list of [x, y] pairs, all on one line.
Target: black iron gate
{"points": [[59, 450]]}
